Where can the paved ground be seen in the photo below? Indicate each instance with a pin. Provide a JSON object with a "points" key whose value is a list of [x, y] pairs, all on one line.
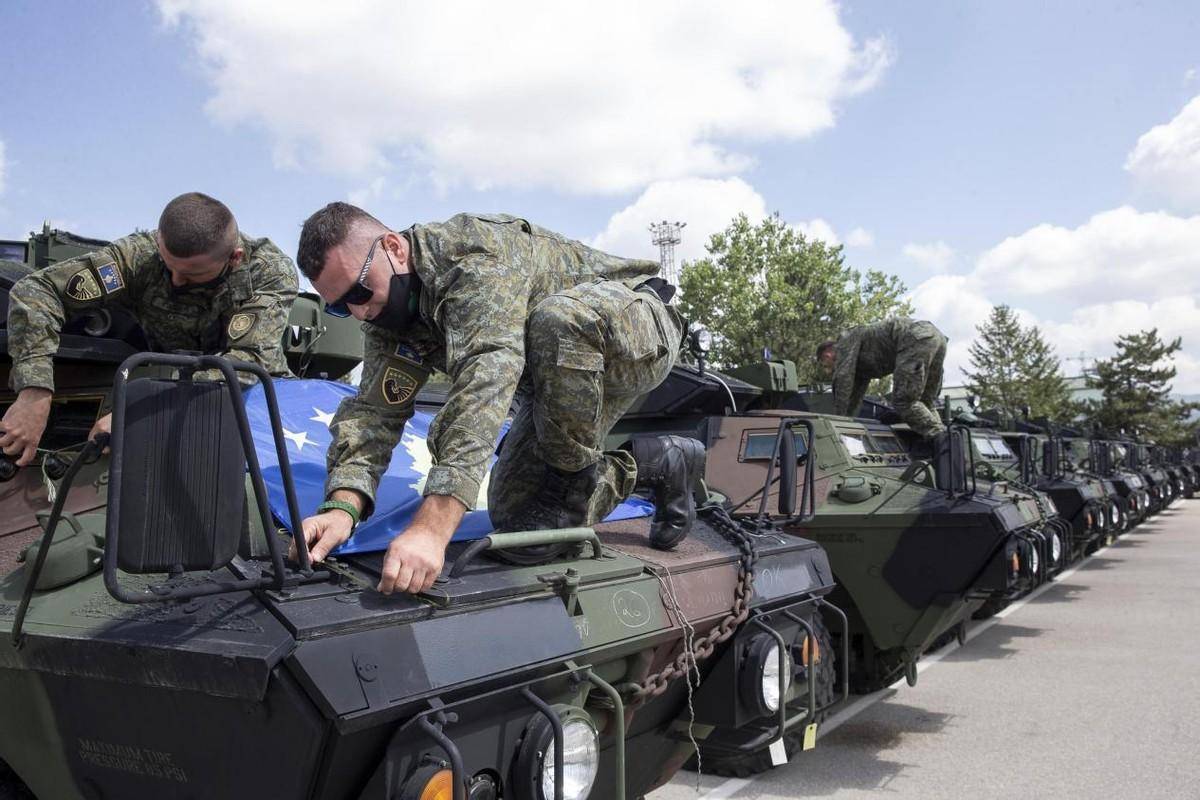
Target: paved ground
{"points": [[1091, 689]]}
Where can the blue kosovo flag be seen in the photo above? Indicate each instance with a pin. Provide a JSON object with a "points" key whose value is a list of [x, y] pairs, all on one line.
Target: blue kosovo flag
{"points": [[306, 409]]}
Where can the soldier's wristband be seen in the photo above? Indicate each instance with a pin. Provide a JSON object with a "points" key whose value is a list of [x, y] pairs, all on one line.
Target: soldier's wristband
{"points": [[340, 505]]}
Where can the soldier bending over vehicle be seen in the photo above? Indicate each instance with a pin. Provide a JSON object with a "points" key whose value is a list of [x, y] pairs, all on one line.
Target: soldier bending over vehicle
{"points": [[196, 283], [505, 308], [912, 351]]}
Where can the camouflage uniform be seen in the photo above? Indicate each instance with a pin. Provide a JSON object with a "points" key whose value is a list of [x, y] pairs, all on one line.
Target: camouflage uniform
{"points": [[510, 309], [911, 349], [243, 318]]}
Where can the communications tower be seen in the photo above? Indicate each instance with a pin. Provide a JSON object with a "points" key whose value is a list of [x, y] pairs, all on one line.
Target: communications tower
{"points": [[666, 235]]}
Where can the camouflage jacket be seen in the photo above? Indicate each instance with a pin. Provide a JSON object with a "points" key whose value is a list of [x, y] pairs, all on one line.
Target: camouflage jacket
{"points": [[481, 276], [243, 318], [863, 354]]}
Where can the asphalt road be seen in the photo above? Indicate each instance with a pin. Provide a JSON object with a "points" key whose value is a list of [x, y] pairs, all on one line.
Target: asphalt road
{"points": [[1090, 689]]}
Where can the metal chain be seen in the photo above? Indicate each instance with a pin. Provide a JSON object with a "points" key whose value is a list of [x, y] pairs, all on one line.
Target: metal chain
{"points": [[702, 647]]}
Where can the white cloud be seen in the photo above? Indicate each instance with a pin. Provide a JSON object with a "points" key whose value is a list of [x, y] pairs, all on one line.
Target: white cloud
{"points": [[365, 196], [860, 237], [707, 205], [934, 256], [1190, 75], [1118, 252], [817, 229], [956, 305], [1166, 158], [577, 97], [1150, 261]]}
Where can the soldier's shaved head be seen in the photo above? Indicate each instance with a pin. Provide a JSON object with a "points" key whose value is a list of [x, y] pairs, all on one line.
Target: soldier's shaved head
{"points": [[329, 227], [195, 224]]}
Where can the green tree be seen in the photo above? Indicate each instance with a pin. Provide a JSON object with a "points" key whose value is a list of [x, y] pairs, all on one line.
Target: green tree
{"points": [[1014, 367], [1136, 390], [767, 286]]}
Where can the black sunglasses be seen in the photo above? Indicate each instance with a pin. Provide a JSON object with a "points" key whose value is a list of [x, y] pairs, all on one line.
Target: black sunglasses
{"points": [[359, 294]]}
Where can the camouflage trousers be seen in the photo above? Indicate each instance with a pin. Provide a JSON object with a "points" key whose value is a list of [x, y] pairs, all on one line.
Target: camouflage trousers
{"points": [[917, 381], [590, 352]]}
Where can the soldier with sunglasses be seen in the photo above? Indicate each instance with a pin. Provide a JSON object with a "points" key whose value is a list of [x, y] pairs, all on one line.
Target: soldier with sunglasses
{"points": [[506, 309], [196, 283]]}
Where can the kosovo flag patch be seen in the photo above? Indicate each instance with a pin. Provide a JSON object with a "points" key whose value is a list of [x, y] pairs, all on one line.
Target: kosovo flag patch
{"points": [[110, 278]]}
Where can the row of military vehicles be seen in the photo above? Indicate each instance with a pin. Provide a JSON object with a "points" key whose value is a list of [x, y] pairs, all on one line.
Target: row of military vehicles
{"points": [[155, 642]]}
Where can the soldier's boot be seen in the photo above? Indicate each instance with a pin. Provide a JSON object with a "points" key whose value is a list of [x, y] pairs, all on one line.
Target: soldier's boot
{"points": [[560, 502], [672, 468]]}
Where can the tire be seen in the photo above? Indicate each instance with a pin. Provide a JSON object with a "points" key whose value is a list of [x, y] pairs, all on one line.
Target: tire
{"points": [[991, 607], [11, 786], [743, 765]]}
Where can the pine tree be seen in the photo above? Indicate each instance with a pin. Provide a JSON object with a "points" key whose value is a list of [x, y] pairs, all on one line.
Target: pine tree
{"points": [[1015, 367], [1136, 387]]}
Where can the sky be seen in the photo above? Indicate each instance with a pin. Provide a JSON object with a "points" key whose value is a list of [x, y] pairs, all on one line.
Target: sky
{"points": [[1043, 155]]}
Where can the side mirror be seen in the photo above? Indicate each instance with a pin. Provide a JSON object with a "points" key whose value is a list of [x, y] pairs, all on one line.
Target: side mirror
{"points": [[787, 473]]}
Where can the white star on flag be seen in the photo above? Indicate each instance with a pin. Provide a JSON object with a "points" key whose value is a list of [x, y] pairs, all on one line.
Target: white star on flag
{"points": [[323, 417], [299, 438]]}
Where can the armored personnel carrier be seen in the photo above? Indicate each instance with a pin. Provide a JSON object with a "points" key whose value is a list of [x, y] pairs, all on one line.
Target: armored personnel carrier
{"points": [[161, 646], [1139, 458], [915, 545], [1037, 460], [1110, 459]]}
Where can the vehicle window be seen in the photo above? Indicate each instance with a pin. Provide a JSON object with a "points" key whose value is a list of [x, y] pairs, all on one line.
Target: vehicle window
{"points": [[886, 443], [760, 445], [13, 251], [856, 443], [999, 448]]}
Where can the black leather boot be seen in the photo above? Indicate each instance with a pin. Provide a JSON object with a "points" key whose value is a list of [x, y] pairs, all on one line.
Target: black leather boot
{"points": [[560, 502], [672, 468]]}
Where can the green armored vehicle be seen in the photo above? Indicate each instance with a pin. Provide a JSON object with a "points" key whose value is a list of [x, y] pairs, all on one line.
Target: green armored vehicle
{"points": [[1140, 459], [1109, 458], [161, 646], [916, 547], [1075, 502]]}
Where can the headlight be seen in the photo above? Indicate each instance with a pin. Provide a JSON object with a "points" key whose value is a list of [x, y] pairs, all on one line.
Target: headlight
{"points": [[534, 769], [581, 760], [1055, 548], [760, 675], [701, 340], [770, 677]]}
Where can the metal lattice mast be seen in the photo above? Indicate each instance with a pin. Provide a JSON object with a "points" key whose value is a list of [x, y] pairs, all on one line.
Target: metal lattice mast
{"points": [[666, 235]]}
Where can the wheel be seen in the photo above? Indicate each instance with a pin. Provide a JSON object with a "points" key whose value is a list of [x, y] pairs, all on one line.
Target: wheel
{"points": [[742, 765], [11, 786], [991, 607]]}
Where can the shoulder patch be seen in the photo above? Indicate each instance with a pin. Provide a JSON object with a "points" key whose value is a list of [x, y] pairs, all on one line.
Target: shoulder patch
{"points": [[397, 386], [408, 354], [240, 324], [82, 286], [110, 277]]}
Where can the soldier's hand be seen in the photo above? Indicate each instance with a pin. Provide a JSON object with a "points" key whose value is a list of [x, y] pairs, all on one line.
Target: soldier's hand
{"points": [[103, 425], [24, 423], [323, 533], [413, 561]]}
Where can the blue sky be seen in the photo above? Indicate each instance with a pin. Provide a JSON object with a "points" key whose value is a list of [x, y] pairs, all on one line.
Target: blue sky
{"points": [[985, 152]]}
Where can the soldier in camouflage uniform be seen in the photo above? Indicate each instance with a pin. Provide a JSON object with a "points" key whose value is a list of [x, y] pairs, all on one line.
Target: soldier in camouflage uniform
{"points": [[195, 284], [913, 351], [506, 309]]}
